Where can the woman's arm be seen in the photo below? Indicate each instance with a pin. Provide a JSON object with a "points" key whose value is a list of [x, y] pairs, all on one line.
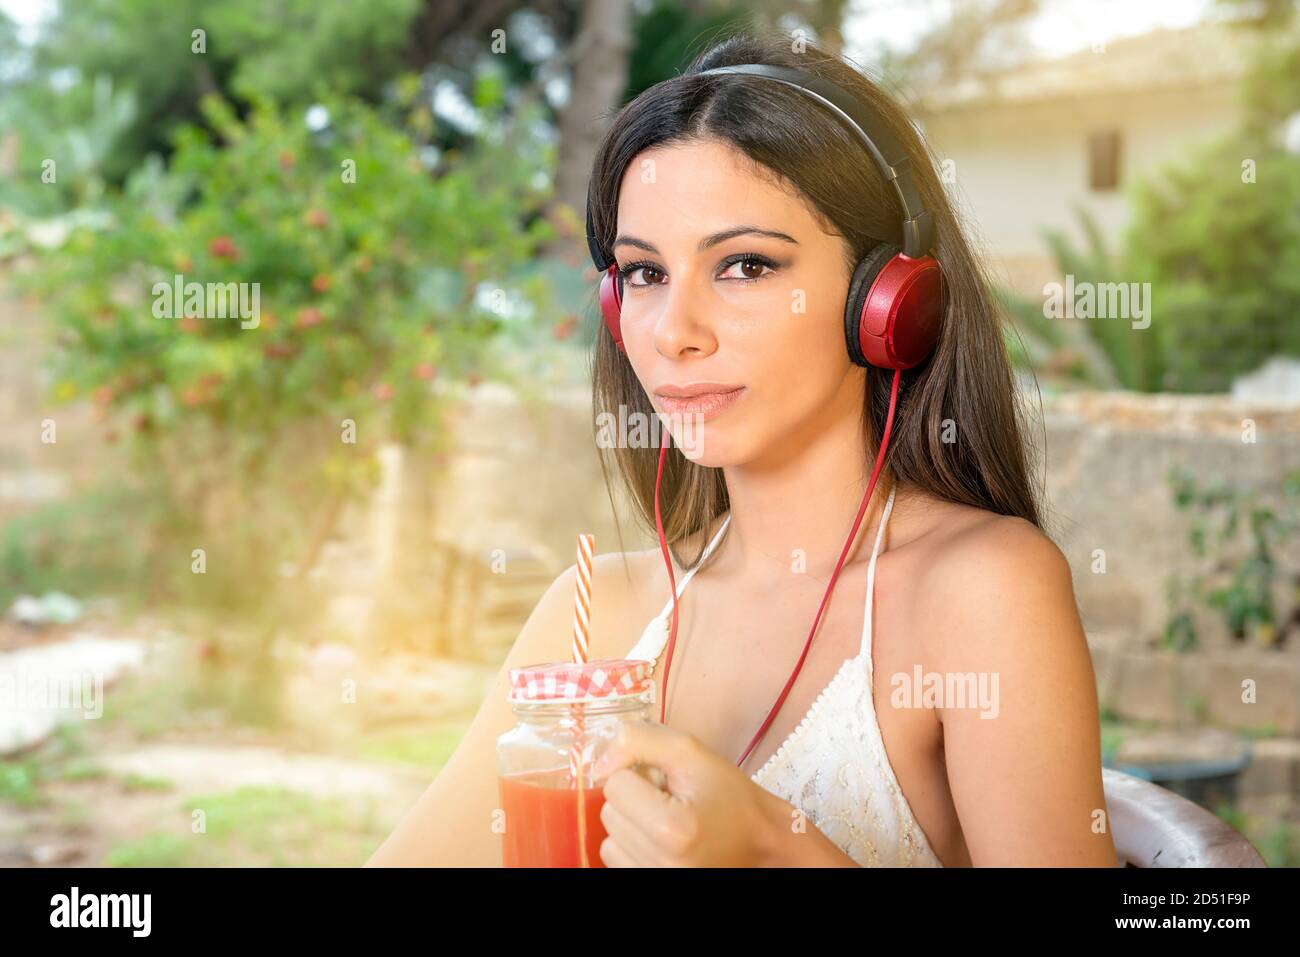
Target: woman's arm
{"points": [[801, 846], [451, 825], [1025, 773]]}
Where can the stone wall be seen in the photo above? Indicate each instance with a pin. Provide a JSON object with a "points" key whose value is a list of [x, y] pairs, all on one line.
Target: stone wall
{"points": [[1108, 458], [528, 480]]}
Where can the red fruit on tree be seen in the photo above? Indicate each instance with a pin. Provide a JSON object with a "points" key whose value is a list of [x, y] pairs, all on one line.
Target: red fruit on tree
{"points": [[308, 317], [383, 391], [316, 218], [223, 247], [321, 282], [425, 370]]}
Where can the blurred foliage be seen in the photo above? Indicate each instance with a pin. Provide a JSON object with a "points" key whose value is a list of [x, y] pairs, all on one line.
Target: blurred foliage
{"points": [[974, 35], [1217, 235], [1223, 260], [260, 827], [1220, 245], [1129, 351], [384, 272], [286, 51], [1271, 90], [426, 747], [1041, 343], [61, 756], [668, 34], [64, 144], [1236, 535]]}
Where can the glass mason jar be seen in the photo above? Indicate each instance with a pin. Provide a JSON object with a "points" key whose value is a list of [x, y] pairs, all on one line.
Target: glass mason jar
{"points": [[567, 714]]}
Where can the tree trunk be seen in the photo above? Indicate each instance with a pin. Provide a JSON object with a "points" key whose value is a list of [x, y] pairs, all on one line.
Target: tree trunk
{"points": [[598, 78], [402, 610]]}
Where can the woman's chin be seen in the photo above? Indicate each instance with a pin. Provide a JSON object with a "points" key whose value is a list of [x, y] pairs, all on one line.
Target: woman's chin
{"points": [[707, 445]]}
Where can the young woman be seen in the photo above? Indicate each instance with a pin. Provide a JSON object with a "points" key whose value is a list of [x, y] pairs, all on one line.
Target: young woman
{"points": [[737, 209]]}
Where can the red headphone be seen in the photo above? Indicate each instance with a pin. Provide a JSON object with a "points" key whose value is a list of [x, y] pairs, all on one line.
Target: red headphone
{"points": [[892, 312]]}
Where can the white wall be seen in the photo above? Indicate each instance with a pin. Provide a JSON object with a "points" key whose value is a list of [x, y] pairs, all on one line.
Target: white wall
{"points": [[1022, 166]]}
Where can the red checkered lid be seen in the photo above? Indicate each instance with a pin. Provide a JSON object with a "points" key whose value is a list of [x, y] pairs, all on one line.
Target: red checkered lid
{"points": [[572, 681]]}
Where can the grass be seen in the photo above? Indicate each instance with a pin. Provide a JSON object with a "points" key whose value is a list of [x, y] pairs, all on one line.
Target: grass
{"points": [[259, 827], [1260, 732], [140, 782], [21, 777], [1277, 842], [18, 782], [81, 769], [146, 707], [425, 748], [1280, 845], [1112, 736], [152, 850]]}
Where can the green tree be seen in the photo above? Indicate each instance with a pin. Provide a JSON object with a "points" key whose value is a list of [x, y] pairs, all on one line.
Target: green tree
{"points": [[171, 53], [383, 275], [1219, 239]]}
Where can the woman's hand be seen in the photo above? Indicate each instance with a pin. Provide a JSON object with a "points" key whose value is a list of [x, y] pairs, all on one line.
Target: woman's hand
{"points": [[711, 815]]}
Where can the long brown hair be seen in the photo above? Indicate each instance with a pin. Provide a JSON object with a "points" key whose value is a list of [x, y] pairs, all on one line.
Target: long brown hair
{"points": [[966, 384]]}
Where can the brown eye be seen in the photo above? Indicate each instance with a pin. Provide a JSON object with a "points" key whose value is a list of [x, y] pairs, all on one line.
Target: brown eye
{"points": [[631, 268], [751, 268]]}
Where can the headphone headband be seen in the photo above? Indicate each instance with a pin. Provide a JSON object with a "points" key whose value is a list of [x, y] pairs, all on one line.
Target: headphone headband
{"points": [[888, 154]]}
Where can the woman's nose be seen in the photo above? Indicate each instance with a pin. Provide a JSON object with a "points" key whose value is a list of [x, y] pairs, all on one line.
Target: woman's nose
{"points": [[681, 325]]}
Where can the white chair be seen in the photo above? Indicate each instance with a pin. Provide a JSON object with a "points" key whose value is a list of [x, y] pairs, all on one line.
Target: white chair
{"points": [[1154, 827]]}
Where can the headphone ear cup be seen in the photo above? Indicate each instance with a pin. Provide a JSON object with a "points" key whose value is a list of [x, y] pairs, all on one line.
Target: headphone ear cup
{"points": [[611, 303], [903, 312], [894, 310], [864, 275]]}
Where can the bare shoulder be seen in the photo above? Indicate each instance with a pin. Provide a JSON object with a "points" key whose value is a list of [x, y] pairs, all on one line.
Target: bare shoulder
{"points": [[988, 578], [628, 589], [985, 545], [640, 575], [625, 587]]}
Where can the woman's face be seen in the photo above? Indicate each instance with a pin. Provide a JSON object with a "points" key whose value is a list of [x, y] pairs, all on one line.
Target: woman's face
{"points": [[731, 282]]}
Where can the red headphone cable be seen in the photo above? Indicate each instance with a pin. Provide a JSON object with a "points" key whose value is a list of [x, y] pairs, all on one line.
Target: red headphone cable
{"points": [[672, 583]]}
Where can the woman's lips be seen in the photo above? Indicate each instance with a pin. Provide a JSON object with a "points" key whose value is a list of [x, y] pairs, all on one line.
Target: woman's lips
{"points": [[707, 404]]}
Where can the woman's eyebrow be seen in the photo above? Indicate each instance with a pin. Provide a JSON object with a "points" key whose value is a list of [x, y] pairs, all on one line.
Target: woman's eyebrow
{"points": [[714, 239]]}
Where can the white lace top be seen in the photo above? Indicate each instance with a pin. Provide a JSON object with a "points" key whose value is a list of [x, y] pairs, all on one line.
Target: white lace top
{"points": [[833, 765]]}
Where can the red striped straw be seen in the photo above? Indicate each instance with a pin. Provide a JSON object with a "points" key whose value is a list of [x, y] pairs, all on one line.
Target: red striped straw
{"points": [[581, 642]]}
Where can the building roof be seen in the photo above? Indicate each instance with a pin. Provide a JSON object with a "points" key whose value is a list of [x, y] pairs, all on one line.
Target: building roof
{"points": [[1201, 55]]}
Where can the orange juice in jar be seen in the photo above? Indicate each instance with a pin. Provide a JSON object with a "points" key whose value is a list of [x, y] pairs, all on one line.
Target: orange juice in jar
{"points": [[567, 713]]}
